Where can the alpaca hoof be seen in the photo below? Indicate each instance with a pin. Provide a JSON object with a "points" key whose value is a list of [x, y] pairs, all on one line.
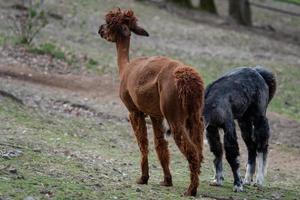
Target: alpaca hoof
{"points": [[237, 188], [215, 182], [258, 185], [192, 192], [142, 180], [166, 183], [246, 182], [259, 181]]}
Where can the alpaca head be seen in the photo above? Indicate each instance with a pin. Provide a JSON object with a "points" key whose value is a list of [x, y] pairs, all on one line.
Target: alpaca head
{"points": [[119, 24]]}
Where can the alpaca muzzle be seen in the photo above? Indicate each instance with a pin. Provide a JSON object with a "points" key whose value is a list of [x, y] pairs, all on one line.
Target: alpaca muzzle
{"points": [[101, 30]]}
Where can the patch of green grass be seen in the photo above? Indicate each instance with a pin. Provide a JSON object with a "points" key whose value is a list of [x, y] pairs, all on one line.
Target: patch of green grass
{"points": [[285, 100], [2, 40], [92, 64], [64, 176], [5, 39], [80, 159], [40, 175], [48, 48], [291, 1]]}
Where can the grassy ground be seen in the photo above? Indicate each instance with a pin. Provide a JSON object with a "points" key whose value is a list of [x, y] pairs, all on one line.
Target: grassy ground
{"points": [[291, 1], [65, 157]]}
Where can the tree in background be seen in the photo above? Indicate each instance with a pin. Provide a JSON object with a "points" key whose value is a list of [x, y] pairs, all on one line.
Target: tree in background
{"points": [[240, 11], [208, 5]]}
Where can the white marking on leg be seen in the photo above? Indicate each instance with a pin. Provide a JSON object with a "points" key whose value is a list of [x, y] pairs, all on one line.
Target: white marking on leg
{"points": [[260, 169], [166, 126], [248, 175], [238, 188], [218, 179]]}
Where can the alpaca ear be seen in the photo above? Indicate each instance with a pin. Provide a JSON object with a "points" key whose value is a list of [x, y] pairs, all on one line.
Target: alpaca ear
{"points": [[140, 31]]}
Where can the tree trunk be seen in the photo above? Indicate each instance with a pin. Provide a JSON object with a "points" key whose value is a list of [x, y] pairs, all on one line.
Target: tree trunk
{"points": [[208, 5], [240, 11]]}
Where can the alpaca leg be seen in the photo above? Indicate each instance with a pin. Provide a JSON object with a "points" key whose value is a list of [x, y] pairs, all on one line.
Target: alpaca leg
{"points": [[247, 134], [261, 169], [261, 132], [232, 153], [213, 137], [191, 153], [161, 146], [196, 128], [138, 123]]}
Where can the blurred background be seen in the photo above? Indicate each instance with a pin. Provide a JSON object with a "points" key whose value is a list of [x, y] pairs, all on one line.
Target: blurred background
{"points": [[64, 132]]}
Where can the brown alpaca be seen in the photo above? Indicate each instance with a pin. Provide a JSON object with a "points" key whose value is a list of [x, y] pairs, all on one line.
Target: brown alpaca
{"points": [[161, 88]]}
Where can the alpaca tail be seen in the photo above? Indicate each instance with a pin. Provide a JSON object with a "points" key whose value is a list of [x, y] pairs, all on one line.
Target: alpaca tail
{"points": [[269, 78], [190, 88]]}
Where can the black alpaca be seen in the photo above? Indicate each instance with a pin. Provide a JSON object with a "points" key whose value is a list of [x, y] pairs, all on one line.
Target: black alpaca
{"points": [[242, 94]]}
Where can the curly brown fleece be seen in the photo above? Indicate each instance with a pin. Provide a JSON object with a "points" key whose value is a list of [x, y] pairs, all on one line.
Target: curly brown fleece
{"points": [[161, 88]]}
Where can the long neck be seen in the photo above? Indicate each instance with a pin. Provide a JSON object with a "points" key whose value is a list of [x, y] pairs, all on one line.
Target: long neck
{"points": [[123, 54]]}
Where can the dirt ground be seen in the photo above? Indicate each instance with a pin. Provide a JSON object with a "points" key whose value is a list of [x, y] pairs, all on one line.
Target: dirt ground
{"points": [[96, 97], [64, 133], [284, 130]]}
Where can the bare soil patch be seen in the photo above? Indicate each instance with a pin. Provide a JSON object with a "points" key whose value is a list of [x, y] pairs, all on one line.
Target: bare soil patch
{"points": [[104, 89]]}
